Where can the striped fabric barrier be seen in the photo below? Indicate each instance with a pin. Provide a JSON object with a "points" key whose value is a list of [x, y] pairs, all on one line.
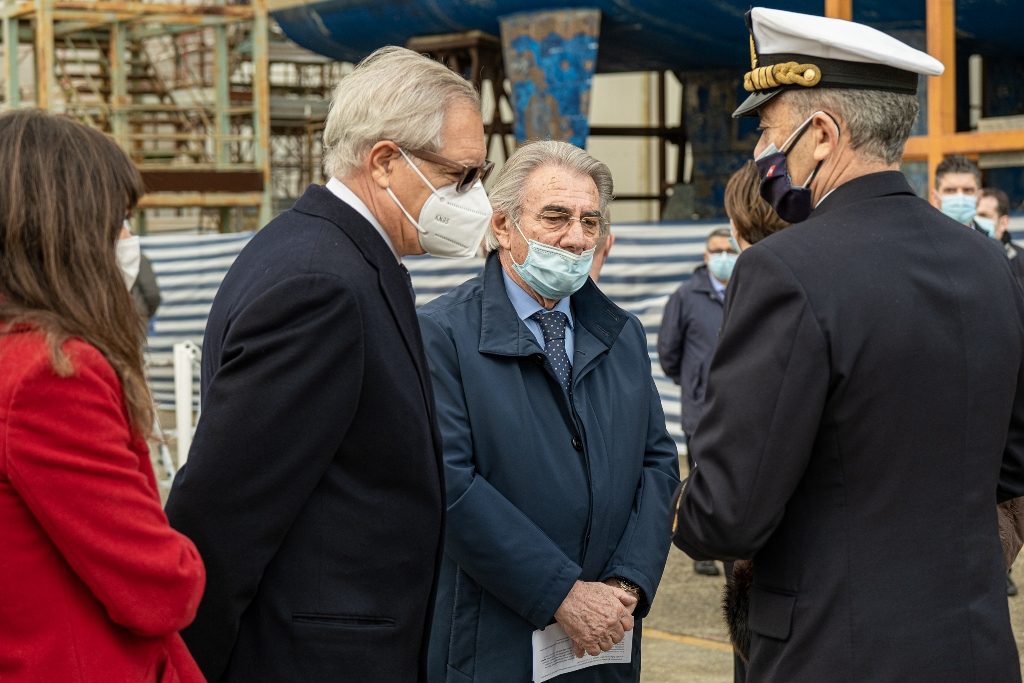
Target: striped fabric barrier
{"points": [[188, 270], [647, 263]]}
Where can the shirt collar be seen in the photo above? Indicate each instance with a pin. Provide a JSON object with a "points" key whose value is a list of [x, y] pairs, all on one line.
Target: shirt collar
{"points": [[342, 192], [526, 305], [716, 285]]}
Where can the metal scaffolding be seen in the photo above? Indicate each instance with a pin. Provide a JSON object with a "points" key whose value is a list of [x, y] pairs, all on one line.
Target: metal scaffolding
{"points": [[181, 86]]}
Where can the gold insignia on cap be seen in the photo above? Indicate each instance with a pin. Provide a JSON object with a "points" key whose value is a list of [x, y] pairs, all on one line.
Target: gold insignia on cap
{"points": [[775, 75], [753, 53]]}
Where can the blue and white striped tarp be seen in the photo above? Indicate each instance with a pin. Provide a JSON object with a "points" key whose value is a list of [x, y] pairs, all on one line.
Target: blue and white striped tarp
{"points": [[647, 263]]}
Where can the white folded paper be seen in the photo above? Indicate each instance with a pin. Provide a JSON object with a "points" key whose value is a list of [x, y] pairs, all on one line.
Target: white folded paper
{"points": [[552, 654]]}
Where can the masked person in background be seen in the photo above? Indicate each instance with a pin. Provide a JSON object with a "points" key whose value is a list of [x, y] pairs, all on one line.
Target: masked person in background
{"points": [[314, 484], [94, 584], [957, 181], [689, 333], [559, 467], [138, 274], [993, 218]]}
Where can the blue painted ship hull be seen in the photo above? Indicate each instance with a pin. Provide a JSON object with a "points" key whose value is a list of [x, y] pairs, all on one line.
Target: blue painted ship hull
{"points": [[635, 34]]}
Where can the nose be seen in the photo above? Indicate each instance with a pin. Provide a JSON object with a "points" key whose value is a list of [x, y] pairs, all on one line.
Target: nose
{"points": [[575, 238]]}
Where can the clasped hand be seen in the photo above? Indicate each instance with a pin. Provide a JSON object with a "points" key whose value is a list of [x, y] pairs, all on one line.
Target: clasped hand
{"points": [[595, 616]]}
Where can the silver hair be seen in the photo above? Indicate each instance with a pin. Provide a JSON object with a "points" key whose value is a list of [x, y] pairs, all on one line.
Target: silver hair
{"points": [[507, 192], [878, 123], [394, 94]]}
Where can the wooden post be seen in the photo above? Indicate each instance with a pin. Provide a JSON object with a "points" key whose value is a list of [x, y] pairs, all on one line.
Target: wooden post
{"points": [[118, 85], [261, 101], [222, 96], [839, 9], [940, 26], [44, 53], [12, 95]]}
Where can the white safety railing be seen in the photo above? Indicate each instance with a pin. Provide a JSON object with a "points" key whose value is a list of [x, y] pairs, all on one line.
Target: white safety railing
{"points": [[186, 356]]}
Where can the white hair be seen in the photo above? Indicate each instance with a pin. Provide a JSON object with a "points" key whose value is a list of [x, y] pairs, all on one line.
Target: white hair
{"points": [[506, 194], [394, 94]]}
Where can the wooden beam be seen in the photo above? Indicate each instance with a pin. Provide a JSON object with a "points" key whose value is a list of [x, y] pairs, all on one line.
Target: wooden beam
{"points": [[839, 9], [275, 5], [12, 90], [940, 27], [44, 53], [261, 101], [118, 69], [242, 12], [203, 199], [971, 143]]}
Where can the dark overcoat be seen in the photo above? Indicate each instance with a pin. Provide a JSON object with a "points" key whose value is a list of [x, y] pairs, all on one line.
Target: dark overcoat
{"points": [[865, 414], [687, 339], [314, 487], [542, 490]]}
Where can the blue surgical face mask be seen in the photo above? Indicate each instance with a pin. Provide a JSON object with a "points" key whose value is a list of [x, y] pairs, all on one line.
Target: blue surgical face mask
{"points": [[721, 264], [960, 207], [732, 241], [552, 272], [987, 225]]}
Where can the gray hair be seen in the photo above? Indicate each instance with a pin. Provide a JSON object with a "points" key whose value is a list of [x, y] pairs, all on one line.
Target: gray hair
{"points": [[878, 123], [507, 192], [393, 94]]}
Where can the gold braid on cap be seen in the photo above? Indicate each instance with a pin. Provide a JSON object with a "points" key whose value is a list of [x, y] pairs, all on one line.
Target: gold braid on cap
{"points": [[786, 73]]}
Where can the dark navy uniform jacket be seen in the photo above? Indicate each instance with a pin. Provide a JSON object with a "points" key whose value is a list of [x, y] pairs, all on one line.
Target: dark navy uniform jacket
{"points": [[865, 414], [314, 488]]}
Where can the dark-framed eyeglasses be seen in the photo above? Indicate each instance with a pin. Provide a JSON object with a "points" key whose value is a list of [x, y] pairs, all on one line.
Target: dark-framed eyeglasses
{"points": [[470, 174], [556, 221]]}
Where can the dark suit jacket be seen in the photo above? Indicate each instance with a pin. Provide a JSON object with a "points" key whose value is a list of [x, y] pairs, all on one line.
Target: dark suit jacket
{"points": [[855, 443], [314, 487]]}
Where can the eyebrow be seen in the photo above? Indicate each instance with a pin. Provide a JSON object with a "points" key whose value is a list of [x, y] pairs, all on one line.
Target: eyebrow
{"points": [[565, 209]]}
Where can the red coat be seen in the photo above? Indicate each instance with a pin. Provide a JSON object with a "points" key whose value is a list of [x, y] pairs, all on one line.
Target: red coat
{"points": [[94, 583]]}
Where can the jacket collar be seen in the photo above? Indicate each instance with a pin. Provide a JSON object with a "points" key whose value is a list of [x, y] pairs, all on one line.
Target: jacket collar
{"points": [[319, 201], [868, 186], [393, 278], [597, 321]]}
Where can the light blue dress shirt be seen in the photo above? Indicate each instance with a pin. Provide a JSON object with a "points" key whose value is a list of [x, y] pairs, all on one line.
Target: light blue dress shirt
{"points": [[526, 306]]}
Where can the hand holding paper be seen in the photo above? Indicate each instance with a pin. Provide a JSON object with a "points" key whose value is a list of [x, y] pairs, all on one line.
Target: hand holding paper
{"points": [[595, 616]]}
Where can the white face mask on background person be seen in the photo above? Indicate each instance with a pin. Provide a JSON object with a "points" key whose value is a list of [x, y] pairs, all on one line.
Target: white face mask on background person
{"points": [[129, 256], [552, 272], [451, 223]]}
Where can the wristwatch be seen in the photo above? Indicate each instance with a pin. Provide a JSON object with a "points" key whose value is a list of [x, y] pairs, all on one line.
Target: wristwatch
{"points": [[629, 587]]}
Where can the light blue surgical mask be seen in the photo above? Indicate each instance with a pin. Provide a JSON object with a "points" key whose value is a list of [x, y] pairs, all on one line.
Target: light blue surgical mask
{"points": [[987, 225], [552, 272], [959, 207], [732, 241], [721, 264]]}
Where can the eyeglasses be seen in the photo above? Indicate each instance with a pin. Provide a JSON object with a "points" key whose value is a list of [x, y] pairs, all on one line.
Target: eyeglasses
{"points": [[557, 221], [470, 174], [730, 250]]}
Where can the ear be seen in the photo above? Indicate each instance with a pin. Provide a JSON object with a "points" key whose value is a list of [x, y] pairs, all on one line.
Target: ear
{"points": [[502, 227], [933, 196], [381, 160], [826, 132], [1002, 225]]}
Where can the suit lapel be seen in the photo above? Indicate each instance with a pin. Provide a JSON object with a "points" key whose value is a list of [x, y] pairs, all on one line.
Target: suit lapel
{"points": [[392, 278]]}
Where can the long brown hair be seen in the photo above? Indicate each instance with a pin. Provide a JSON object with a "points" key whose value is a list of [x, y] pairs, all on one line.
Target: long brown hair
{"points": [[64, 192], [753, 217]]}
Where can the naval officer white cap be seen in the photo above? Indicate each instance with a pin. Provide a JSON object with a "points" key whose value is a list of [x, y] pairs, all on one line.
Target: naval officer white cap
{"points": [[790, 51]]}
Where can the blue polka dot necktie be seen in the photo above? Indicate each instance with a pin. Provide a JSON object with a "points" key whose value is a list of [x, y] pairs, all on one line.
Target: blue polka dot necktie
{"points": [[552, 325]]}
